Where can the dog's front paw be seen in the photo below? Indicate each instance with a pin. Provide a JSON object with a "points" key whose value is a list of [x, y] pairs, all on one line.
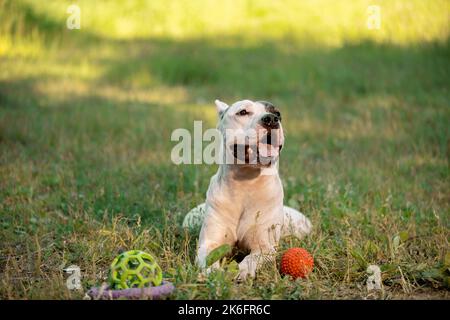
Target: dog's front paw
{"points": [[243, 275], [247, 268]]}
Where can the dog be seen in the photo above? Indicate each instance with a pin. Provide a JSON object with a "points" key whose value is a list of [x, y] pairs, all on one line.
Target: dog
{"points": [[244, 201]]}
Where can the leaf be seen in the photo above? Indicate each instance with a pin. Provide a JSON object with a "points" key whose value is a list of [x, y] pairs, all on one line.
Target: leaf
{"points": [[232, 270], [233, 267], [217, 254], [404, 236]]}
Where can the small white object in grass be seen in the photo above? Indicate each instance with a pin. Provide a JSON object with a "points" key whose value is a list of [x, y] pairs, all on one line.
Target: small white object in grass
{"points": [[374, 279], [194, 218], [73, 282]]}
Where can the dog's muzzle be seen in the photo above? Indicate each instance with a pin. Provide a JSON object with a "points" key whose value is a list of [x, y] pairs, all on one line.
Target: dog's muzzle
{"points": [[264, 152], [270, 121]]}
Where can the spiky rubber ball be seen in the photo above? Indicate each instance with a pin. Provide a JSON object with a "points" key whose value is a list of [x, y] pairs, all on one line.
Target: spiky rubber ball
{"points": [[134, 269], [297, 262]]}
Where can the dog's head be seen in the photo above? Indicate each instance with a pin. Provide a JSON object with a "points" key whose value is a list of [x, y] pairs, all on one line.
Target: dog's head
{"points": [[252, 131]]}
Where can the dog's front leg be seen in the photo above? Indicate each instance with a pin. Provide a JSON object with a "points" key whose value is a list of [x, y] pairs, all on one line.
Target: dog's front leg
{"points": [[213, 234], [262, 251], [262, 240]]}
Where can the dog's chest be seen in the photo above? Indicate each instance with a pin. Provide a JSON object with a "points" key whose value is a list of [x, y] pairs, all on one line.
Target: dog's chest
{"points": [[251, 200]]}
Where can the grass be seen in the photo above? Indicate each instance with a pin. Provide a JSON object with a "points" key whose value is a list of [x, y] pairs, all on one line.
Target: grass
{"points": [[86, 117]]}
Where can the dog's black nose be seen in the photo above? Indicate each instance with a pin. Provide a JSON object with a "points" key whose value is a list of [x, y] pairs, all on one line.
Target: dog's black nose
{"points": [[270, 121]]}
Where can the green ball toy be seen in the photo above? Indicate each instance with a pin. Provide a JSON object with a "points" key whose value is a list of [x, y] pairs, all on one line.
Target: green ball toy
{"points": [[134, 269]]}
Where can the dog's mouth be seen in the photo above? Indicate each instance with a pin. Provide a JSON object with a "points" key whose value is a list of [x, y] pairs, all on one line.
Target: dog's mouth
{"points": [[270, 145], [264, 152]]}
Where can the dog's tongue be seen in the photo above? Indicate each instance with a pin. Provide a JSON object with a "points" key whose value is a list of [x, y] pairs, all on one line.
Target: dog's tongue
{"points": [[269, 150]]}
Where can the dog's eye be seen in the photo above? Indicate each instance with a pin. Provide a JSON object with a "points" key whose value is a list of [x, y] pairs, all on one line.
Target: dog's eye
{"points": [[242, 112]]}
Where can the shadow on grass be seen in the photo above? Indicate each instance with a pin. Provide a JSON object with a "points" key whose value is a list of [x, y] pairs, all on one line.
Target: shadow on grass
{"points": [[272, 69], [241, 67]]}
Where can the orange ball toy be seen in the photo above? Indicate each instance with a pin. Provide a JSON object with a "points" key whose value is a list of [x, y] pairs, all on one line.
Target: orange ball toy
{"points": [[297, 262]]}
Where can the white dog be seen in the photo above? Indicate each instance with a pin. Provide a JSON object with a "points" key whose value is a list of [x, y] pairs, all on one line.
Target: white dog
{"points": [[244, 203]]}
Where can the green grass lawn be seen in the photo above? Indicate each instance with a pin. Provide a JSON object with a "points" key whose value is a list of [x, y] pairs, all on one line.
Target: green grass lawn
{"points": [[86, 117]]}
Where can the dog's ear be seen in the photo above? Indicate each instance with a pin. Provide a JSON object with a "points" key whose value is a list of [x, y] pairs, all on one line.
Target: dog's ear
{"points": [[221, 107]]}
